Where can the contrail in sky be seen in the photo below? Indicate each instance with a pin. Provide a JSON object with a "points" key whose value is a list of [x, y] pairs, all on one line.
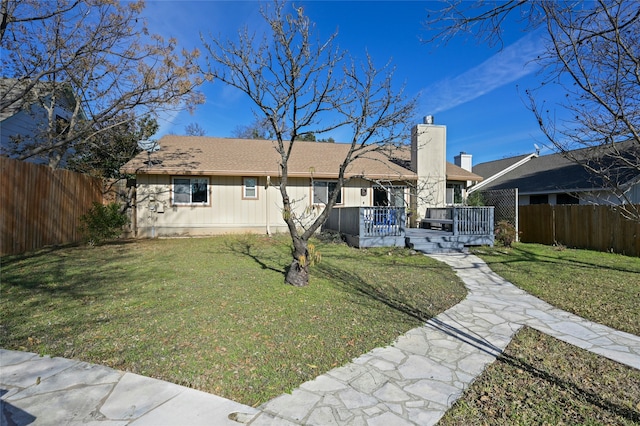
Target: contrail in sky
{"points": [[507, 66]]}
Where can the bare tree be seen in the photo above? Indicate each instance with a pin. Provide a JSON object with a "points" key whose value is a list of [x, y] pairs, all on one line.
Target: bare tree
{"points": [[96, 57], [194, 129], [592, 54], [302, 86], [258, 129]]}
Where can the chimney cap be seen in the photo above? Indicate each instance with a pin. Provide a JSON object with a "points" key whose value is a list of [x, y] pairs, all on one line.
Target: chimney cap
{"points": [[428, 119]]}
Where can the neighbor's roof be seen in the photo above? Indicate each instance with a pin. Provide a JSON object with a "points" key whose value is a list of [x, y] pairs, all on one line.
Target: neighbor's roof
{"points": [[556, 173], [13, 98], [198, 155], [490, 168]]}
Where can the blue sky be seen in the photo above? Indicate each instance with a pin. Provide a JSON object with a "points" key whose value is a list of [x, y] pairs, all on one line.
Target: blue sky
{"points": [[475, 90]]}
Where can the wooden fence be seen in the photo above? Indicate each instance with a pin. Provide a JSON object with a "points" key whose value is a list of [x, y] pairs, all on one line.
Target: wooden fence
{"points": [[41, 207], [592, 227]]}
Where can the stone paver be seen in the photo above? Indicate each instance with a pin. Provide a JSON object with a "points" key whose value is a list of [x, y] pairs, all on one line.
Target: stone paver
{"points": [[412, 382], [417, 379]]}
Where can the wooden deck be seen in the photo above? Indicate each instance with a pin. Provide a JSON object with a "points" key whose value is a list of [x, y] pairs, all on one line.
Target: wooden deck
{"points": [[385, 227]]}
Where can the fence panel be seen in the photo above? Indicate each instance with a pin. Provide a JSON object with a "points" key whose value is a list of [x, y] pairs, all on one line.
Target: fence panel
{"points": [[41, 207], [592, 227]]}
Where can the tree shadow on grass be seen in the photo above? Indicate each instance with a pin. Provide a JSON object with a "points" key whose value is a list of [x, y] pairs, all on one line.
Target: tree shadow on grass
{"points": [[521, 254], [61, 294], [353, 283], [58, 264], [590, 396], [248, 247]]}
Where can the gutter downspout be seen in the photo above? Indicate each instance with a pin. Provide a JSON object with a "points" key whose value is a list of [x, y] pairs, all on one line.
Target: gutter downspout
{"points": [[266, 191]]}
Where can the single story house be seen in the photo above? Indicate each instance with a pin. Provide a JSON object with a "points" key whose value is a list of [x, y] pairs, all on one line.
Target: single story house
{"points": [[556, 179], [196, 185]]}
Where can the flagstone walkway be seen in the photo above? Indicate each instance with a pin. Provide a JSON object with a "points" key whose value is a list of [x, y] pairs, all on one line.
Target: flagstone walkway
{"points": [[412, 382], [418, 378]]}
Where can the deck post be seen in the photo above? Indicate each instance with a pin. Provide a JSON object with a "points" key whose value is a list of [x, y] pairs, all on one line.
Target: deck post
{"points": [[455, 221]]}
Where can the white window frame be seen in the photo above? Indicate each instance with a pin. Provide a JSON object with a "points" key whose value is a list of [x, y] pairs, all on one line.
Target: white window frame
{"points": [[324, 183], [179, 189], [245, 187]]}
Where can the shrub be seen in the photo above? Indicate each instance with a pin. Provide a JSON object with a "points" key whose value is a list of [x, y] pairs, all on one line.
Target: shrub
{"points": [[505, 233], [102, 223], [475, 199]]}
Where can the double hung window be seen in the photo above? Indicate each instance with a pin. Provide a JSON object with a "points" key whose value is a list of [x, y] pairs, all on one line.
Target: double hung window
{"points": [[250, 188]]}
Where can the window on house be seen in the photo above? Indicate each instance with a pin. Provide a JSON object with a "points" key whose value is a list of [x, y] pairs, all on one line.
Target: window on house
{"points": [[190, 190], [250, 187], [454, 193], [321, 191], [62, 125], [567, 199], [391, 196], [539, 199]]}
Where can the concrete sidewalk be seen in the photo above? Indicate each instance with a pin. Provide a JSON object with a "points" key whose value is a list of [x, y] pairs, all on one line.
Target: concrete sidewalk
{"points": [[57, 391], [412, 382]]}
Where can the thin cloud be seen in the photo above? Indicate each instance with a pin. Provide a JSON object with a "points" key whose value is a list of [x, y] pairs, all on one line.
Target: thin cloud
{"points": [[507, 66]]}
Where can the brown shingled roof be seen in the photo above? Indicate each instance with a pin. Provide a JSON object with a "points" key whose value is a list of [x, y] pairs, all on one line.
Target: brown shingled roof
{"points": [[458, 173], [199, 155]]}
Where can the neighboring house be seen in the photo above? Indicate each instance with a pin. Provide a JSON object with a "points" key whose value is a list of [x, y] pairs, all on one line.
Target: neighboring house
{"points": [[25, 117], [555, 179], [204, 185]]}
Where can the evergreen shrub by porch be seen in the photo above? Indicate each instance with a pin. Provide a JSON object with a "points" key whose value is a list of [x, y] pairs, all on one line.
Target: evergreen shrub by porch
{"points": [[102, 223]]}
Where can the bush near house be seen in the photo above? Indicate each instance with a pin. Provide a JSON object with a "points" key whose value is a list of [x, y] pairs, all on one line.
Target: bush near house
{"points": [[103, 223], [505, 233]]}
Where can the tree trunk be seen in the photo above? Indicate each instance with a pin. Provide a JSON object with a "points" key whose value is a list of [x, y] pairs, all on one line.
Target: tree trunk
{"points": [[298, 273]]}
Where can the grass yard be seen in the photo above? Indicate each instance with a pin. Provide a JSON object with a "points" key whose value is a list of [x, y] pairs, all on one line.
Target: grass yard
{"points": [[543, 381], [601, 287], [214, 314]]}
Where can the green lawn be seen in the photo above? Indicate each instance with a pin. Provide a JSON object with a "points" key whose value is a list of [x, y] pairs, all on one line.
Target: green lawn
{"points": [[601, 287], [214, 314], [541, 380]]}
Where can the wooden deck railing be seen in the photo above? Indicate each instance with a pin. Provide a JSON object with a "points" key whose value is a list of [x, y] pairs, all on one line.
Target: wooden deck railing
{"points": [[367, 221], [472, 220], [390, 221]]}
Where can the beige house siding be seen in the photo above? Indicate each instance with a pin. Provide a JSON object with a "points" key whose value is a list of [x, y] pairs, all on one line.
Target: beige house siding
{"points": [[227, 211]]}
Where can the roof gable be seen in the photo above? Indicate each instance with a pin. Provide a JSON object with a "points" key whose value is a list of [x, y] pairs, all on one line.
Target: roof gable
{"points": [[13, 100], [556, 173]]}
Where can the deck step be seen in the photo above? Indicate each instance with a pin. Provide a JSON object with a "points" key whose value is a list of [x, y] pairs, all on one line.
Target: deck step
{"points": [[437, 246], [432, 242]]}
